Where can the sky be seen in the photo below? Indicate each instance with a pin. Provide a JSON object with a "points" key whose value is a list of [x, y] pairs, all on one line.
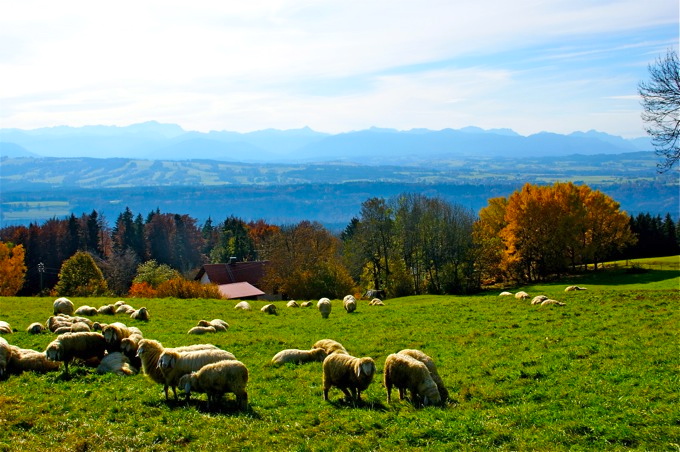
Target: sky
{"points": [[332, 65]]}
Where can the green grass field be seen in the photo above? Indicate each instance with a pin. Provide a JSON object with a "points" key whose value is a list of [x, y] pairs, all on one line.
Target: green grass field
{"points": [[601, 373]]}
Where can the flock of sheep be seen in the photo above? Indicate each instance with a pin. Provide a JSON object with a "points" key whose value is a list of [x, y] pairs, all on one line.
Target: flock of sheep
{"points": [[205, 368], [541, 300]]}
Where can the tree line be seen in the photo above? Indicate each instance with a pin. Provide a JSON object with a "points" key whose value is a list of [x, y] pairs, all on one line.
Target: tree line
{"points": [[406, 244]]}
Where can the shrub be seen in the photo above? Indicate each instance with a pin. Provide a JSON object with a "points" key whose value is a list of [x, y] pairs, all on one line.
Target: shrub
{"points": [[80, 276], [181, 288], [142, 290]]}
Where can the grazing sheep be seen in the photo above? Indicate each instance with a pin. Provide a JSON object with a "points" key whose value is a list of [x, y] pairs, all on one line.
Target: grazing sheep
{"points": [[86, 310], [76, 345], [349, 303], [572, 288], [107, 309], [63, 306], [140, 314], [505, 294], [376, 302], [521, 295], [324, 307], [174, 364], [243, 305], [432, 368], [349, 374], [5, 328], [202, 330], [552, 302], [27, 360], [330, 346], [407, 373], [114, 333], [306, 304], [269, 309], [116, 363], [218, 324], [5, 355], [149, 351], [36, 328], [217, 379], [538, 299], [296, 356], [124, 308], [292, 304]]}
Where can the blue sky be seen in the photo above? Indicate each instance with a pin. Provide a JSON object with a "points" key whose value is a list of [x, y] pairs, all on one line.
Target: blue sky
{"points": [[335, 66]]}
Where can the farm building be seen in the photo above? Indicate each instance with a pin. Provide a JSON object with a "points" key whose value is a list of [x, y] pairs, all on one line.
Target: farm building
{"points": [[235, 279]]}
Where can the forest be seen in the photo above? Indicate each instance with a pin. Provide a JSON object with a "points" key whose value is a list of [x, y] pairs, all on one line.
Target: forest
{"points": [[407, 244]]}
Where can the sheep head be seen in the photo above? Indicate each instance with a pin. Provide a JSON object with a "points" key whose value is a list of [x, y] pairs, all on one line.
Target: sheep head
{"points": [[366, 367]]}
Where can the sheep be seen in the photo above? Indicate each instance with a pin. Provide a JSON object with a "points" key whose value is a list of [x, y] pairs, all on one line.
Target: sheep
{"points": [[432, 368], [76, 345], [98, 326], [269, 309], [5, 355], [405, 372], [243, 305], [324, 307], [552, 302], [79, 327], [538, 299], [296, 356], [173, 364], [140, 314], [349, 303], [63, 306], [129, 346], [218, 324], [107, 309], [116, 363], [521, 295], [376, 302], [5, 328], [349, 374], [330, 346], [216, 379], [306, 304], [35, 328], [124, 308], [202, 330], [25, 360], [114, 333], [86, 310], [292, 304], [505, 294], [572, 288]]}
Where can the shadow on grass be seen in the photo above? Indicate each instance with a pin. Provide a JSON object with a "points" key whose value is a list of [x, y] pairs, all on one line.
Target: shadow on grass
{"points": [[362, 404], [223, 408], [620, 276]]}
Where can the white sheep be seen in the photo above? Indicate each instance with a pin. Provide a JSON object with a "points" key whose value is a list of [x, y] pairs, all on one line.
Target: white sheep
{"points": [[140, 314], [27, 360], [292, 304], [243, 305], [324, 307], [63, 306], [330, 346], [202, 330], [406, 373], [76, 345], [269, 309], [173, 364], [123, 308], [572, 288], [349, 374], [114, 333], [296, 356], [86, 310], [505, 294], [306, 304], [376, 302], [217, 379], [552, 302], [432, 368], [521, 295], [36, 328], [129, 345], [107, 309], [219, 324], [149, 352], [538, 299], [349, 303], [5, 327], [116, 363], [5, 355]]}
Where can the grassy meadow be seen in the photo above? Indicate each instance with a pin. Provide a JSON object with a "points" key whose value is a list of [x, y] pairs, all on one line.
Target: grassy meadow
{"points": [[601, 373]]}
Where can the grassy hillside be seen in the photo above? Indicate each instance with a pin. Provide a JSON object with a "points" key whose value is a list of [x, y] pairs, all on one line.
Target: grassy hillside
{"points": [[600, 373]]}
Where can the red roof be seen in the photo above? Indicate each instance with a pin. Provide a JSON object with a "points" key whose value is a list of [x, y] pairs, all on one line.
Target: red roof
{"points": [[239, 290], [250, 272]]}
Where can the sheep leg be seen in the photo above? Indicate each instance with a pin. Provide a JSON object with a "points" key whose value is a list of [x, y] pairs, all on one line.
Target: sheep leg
{"points": [[389, 391], [348, 396], [402, 393], [165, 388]]}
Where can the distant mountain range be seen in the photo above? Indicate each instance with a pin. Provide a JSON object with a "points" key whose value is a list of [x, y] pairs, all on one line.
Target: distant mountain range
{"points": [[156, 141]]}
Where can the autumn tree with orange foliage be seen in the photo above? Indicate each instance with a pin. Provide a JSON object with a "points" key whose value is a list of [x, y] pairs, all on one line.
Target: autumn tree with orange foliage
{"points": [[544, 230], [12, 269]]}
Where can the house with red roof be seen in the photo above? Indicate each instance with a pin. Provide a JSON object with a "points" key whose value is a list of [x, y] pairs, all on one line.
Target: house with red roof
{"points": [[235, 279]]}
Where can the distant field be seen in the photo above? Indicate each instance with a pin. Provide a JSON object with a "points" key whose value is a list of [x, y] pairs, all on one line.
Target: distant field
{"points": [[600, 373]]}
